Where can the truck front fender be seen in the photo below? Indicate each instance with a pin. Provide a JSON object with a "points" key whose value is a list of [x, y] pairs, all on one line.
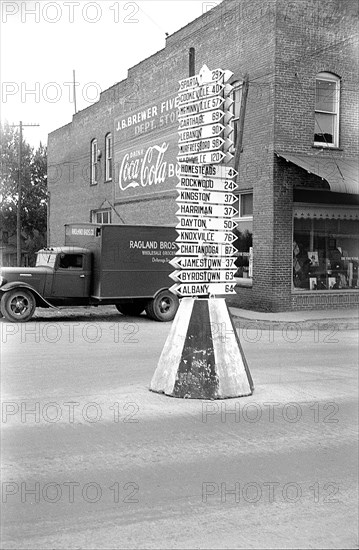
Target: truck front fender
{"points": [[40, 300]]}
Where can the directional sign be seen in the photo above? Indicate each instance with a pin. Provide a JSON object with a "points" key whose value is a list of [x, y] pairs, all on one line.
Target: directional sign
{"points": [[211, 157], [205, 76], [201, 106], [209, 224], [202, 92], [194, 236], [201, 132], [211, 197], [210, 276], [206, 249], [211, 144], [212, 184], [218, 210], [203, 118], [203, 289], [214, 171], [202, 263]]}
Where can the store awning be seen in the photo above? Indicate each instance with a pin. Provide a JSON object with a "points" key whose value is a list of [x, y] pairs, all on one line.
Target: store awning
{"points": [[341, 174]]}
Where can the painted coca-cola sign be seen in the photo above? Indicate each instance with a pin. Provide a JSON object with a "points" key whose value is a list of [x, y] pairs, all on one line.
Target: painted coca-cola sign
{"points": [[146, 147], [145, 168]]}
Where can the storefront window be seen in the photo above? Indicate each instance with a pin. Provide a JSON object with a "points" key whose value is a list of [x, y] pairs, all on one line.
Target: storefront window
{"points": [[244, 243], [325, 254]]}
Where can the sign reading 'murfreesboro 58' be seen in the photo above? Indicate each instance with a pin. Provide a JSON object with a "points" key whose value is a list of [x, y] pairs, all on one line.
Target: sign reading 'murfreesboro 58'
{"points": [[204, 263]]}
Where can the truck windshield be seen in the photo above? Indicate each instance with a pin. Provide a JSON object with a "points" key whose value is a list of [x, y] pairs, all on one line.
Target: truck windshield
{"points": [[46, 259]]}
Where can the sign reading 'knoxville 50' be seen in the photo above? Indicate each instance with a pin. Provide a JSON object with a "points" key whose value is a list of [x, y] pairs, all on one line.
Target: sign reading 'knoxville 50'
{"points": [[145, 148]]}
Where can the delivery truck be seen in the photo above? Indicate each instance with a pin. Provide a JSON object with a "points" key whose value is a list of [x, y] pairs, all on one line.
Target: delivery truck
{"points": [[124, 265]]}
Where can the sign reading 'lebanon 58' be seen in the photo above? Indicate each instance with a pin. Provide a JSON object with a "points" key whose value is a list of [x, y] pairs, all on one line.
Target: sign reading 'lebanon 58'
{"points": [[205, 188]]}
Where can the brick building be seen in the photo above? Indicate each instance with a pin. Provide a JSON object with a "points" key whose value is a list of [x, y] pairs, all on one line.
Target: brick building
{"points": [[298, 176]]}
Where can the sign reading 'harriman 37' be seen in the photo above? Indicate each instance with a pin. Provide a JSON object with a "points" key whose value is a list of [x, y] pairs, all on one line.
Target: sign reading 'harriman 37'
{"points": [[205, 188]]}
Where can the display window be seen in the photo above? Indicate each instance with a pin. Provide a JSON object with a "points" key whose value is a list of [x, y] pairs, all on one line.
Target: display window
{"points": [[244, 242], [325, 253]]}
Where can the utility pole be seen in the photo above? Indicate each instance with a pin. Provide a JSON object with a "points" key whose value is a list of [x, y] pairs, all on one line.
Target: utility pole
{"points": [[19, 190], [74, 88]]}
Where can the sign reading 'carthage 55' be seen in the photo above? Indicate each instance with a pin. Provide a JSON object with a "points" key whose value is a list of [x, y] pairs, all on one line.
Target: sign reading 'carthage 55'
{"points": [[203, 262]]}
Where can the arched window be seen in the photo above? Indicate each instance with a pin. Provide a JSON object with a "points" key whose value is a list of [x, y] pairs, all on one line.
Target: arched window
{"points": [[108, 157], [94, 160], [327, 103]]}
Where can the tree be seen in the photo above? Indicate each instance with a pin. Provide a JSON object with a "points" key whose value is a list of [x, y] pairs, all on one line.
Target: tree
{"points": [[34, 189]]}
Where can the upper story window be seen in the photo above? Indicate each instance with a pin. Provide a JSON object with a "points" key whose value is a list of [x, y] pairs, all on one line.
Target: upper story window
{"points": [[246, 205], [108, 157], [94, 163], [327, 102], [101, 216], [236, 107]]}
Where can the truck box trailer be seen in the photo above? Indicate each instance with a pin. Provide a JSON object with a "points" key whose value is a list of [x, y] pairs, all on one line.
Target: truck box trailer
{"points": [[124, 265]]}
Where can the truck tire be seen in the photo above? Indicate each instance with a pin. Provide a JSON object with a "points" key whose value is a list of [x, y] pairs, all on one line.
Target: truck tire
{"points": [[18, 305], [134, 308], [163, 307]]}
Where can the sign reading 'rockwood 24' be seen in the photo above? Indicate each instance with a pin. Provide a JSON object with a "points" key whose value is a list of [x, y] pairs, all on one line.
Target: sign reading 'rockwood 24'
{"points": [[205, 187]]}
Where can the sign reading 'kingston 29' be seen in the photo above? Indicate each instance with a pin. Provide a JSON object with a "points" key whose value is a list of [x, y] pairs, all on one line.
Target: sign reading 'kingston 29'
{"points": [[205, 187]]}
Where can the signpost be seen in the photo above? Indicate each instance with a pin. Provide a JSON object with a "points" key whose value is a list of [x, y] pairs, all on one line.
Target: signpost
{"points": [[194, 363]]}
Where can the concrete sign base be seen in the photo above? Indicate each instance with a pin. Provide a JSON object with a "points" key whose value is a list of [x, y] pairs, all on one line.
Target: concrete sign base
{"points": [[202, 357]]}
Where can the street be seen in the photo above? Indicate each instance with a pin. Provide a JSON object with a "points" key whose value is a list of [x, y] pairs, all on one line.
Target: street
{"points": [[92, 459]]}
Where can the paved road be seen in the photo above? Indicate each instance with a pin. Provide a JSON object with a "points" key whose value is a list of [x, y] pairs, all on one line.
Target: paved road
{"points": [[101, 462]]}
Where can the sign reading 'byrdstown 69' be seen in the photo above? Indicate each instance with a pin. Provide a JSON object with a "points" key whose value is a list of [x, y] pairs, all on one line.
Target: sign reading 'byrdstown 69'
{"points": [[204, 265]]}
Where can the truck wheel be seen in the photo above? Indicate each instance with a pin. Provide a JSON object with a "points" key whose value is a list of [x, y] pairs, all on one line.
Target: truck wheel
{"points": [[18, 305], [163, 307], [134, 309]]}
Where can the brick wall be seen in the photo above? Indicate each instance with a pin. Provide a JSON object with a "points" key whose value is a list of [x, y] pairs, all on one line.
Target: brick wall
{"points": [[281, 45]]}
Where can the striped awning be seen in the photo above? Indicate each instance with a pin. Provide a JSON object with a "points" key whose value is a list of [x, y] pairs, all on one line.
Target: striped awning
{"points": [[342, 175], [328, 212]]}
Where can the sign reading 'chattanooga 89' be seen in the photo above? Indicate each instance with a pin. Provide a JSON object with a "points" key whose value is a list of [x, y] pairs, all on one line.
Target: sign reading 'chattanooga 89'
{"points": [[145, 149]]}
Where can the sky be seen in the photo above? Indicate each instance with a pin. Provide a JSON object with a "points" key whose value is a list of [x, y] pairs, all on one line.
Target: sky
{"points": [[43, 42]]}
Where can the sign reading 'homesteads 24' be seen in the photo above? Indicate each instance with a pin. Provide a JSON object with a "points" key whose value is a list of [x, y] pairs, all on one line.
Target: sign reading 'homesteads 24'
{"points": [[203, 263]]}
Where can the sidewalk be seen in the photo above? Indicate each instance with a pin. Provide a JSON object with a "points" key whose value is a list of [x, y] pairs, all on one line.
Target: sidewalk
{"points": [[342, 319]]}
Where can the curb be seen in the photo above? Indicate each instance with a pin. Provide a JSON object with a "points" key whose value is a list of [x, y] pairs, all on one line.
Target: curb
{"points": [[306, 324]]}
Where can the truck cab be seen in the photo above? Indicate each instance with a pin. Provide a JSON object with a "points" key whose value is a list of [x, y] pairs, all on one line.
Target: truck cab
{"points": [[61, 276], [70, 275]]}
